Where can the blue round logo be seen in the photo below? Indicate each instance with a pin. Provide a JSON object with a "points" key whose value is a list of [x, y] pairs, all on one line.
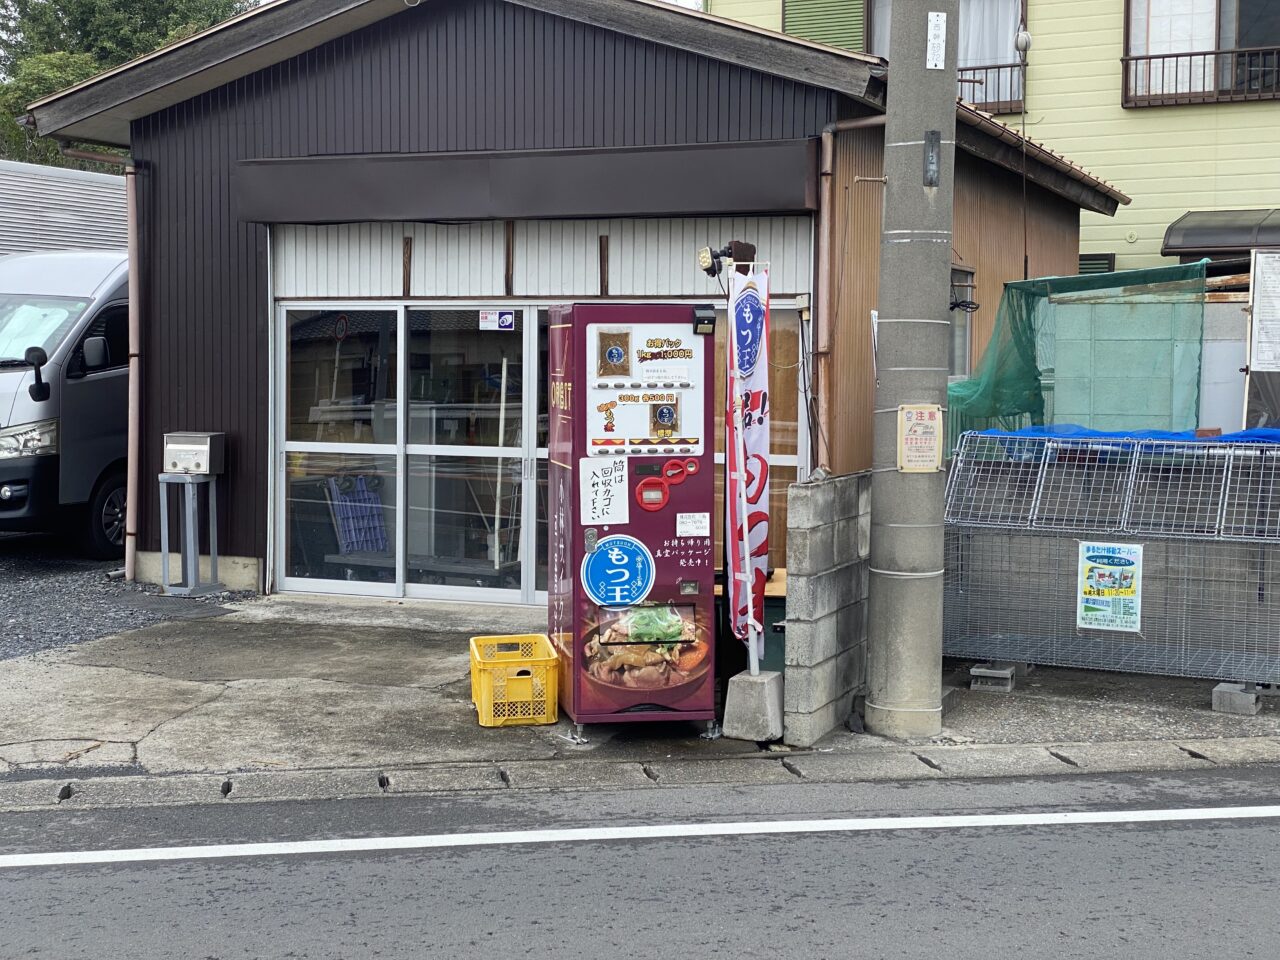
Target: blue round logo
{"points": [[748, 329], [615, 355], [666, 415], [619, 572]]}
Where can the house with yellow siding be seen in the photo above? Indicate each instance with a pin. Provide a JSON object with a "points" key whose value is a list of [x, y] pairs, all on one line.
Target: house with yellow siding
{"points": [[1176, 102]]}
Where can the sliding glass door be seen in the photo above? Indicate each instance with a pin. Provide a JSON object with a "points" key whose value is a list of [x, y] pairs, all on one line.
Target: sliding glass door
{"points": [[408, 451]]}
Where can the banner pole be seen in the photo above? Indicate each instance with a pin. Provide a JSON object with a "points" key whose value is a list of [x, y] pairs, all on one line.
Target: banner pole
{"points": [[746, 576]]}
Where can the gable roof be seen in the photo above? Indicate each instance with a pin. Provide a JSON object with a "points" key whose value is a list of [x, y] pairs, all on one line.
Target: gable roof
{"points": [[101, 108]]}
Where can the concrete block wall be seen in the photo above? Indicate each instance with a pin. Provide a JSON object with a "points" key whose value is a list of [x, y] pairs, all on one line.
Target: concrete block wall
{"points": [[828, 545]]}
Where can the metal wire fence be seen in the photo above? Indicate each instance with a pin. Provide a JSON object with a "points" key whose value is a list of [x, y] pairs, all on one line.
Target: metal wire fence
{"points": [[1207, 519]]}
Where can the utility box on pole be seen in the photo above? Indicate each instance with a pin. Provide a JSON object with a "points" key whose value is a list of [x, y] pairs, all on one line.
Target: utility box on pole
{"points": [[904, 697]]}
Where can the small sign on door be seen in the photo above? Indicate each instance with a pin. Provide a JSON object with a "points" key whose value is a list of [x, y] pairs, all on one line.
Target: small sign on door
{"points": [[504, 320]]}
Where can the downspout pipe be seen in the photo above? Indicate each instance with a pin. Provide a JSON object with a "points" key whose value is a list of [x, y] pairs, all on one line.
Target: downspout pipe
{"points": [[135, 348], [825, 324], [134, 467]]}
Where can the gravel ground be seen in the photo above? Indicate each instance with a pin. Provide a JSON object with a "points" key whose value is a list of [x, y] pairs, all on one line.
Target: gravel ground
{"points": [[50, 597]]}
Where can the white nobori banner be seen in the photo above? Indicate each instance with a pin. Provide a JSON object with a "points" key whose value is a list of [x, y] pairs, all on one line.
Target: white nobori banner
{"points": [[747, 452]]}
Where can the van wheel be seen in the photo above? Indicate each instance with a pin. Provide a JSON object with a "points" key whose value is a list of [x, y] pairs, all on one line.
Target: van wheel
{"points": [[105, 528]]}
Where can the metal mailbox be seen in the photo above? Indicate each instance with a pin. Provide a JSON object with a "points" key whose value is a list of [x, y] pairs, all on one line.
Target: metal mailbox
{"points": [[202, 454]]}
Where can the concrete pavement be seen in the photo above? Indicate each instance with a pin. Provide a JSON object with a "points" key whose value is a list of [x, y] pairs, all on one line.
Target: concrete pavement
{"points": [[304, 698]]}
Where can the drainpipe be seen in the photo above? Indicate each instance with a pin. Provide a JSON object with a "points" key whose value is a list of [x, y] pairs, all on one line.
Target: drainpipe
{"points": [[135, 380], [826, 322], [135, 349]]}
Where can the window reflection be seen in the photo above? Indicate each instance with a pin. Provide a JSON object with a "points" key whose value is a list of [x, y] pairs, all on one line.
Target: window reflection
{"points": [[466, 377], [342, 376]]}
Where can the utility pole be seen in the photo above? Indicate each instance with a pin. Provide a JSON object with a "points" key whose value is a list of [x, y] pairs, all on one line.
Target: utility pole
{"points": [[904, 697]]}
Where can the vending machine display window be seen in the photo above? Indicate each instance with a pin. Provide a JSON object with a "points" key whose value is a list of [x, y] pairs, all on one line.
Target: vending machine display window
{"points": [[647, 647]]}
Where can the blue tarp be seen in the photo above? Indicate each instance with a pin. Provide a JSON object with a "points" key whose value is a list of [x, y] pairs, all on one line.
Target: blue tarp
{"points": [[1071, 431]]}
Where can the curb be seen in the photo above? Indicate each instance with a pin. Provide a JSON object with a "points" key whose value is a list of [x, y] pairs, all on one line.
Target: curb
{"points": [[871, 763]]}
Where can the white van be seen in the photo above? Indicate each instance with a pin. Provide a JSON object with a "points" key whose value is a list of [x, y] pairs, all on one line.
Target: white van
{"points": [[64, 395]]}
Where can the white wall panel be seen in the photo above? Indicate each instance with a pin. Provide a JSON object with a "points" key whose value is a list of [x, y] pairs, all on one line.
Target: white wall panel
{"points": [[338, 261], [657, 257], [458, 259], [557, 258], [552, 258]]}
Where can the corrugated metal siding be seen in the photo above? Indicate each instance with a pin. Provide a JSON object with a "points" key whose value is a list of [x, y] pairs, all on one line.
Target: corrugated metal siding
{"points": [[987, 236], [449, 75], [50, 208], [551, 258], [558, 258], [458, 259], [344, 260], [855, 293], [656, 257], [840, 23]]}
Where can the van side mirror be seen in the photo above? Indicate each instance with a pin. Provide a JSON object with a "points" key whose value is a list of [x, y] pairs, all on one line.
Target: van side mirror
{"points": [[95, 354], [37, 358]]}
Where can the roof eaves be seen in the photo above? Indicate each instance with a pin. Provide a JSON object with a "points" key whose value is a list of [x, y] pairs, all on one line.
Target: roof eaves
{"points": [[1038, 151]]}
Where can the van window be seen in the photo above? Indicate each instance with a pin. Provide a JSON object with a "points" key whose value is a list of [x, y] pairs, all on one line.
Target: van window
{"points": [[33, 321], [113, 323]]}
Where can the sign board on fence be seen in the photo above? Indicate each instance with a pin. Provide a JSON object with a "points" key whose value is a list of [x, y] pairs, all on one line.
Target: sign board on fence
{"points": [[1110, 587], [1264, 304], [919, 438]]}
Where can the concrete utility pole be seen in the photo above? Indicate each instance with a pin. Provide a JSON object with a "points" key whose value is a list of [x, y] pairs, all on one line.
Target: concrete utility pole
{"points": [[904, 666]]}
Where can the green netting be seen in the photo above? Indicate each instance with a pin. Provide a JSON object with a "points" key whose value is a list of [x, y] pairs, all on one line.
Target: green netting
{"points": [[1111, 351]]}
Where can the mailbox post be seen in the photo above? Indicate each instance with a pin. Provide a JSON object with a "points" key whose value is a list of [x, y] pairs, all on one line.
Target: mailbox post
{"points": [[192, 461]]}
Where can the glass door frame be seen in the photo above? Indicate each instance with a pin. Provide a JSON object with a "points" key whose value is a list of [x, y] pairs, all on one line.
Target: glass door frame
{"points": [[530, 455], [524, 594]]}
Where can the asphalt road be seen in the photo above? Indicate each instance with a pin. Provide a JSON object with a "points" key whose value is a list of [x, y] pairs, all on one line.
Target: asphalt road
{"points": [[1162, 890]]}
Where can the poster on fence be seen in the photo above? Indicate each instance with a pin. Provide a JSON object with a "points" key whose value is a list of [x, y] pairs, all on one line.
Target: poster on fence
{"points": [[1110, 587]]}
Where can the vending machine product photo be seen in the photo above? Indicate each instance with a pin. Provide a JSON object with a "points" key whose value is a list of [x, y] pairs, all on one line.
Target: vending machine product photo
{"points": [[631, 494]]}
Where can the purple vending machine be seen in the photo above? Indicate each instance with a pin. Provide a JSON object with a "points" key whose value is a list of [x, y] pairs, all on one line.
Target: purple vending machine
{"points": [[631, 488]]}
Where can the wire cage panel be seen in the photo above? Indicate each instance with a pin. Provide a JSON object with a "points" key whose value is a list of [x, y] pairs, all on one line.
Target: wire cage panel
{"points": [[1082, 485], [1206, 515], [1178, 489], [993, 480], [1162, 488], [1252, 508], [1209, 610]]}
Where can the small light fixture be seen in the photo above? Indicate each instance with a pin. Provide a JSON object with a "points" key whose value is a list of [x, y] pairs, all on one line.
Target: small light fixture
{"points": [[710, 261], [6, 492], [704, 319]]}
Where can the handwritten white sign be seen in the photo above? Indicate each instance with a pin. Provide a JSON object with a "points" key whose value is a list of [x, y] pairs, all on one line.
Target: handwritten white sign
{"points": [[605, 496]]}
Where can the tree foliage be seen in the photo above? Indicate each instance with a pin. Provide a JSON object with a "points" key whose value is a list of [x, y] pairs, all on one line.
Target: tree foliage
{"points": [[47, 45]]}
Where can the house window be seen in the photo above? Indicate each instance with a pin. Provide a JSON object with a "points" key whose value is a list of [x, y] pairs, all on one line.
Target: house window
{"points": [[990, 72], [837, 22], [964, 292], [1201, 51]]}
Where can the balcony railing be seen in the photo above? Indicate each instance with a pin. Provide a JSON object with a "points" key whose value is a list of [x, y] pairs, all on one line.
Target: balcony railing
{"points": [[1212, 76], [996, 89]]}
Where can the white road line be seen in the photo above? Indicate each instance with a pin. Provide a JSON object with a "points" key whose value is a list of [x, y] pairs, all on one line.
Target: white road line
{"points": [[653, 832]]}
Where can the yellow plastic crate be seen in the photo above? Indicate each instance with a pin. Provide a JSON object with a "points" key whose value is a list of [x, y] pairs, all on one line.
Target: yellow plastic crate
{"points": [[514, 680]]}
